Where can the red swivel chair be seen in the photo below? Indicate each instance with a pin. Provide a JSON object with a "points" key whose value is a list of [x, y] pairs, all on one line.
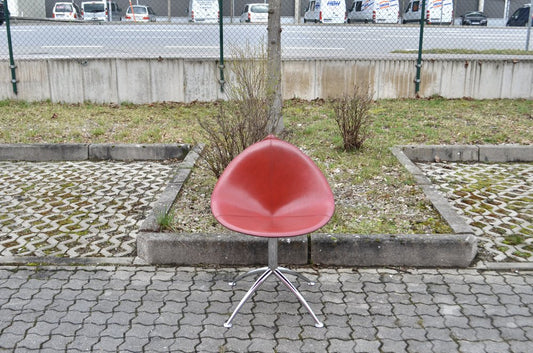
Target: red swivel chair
{"points": [[272, 190]]}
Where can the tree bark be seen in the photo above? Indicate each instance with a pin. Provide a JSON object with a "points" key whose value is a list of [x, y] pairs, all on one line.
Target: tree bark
{"points": [[274, 66]]}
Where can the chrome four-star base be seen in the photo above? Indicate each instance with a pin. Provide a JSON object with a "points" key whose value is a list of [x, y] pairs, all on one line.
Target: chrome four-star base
{"points": [[279, 272]]}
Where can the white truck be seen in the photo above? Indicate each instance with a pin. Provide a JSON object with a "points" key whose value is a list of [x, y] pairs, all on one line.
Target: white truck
{"points": [[374, 11], [100, 10], [325, 11], [437, 11], [206, 11]]}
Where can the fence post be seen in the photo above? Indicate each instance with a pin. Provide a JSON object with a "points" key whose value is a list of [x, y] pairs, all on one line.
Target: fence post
{"points": [[529, 20], [10, 46], [221, 35], [420, 47], [297, 11]]}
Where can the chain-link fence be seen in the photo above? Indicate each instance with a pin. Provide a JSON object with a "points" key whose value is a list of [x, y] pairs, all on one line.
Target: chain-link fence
{"points": [[311, 28]]}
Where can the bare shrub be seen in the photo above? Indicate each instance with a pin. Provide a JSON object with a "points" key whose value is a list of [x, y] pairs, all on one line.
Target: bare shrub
{"points": [[244, 118], [353, 120]]}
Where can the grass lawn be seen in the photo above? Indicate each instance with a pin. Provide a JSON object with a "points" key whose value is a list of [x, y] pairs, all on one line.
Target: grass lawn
{"points": [[373, 192]]}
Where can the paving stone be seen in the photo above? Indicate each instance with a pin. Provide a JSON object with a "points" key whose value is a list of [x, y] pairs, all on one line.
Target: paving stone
{"points": [[495, 347], [159, 344], [311, 345], [133, 343], [413, 333], [466, 334], [108, 343], [115, 330], [9, 340], [289, 346], [32, 341], [387, 333], [366, 346], [445, 345], [235, 345], [418, 346], [189, 331], [512, 333], [520, 346], [391, 346], [473, 347], [339, 346], [364, 333]]}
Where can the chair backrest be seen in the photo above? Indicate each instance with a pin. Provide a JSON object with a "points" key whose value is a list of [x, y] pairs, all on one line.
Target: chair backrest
{"points": [[272, 179]]}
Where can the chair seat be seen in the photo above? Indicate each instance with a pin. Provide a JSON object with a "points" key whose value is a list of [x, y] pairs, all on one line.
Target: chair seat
{"points": [[272, 189]]}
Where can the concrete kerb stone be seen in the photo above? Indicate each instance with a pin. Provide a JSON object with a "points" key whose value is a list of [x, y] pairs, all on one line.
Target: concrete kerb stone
{"points": [[79, 152], [67, 261], [44, 152], [432, 153], [230, 249], [412, 250], [467, 153], [505, 153], [134, 152], [163, 205]]}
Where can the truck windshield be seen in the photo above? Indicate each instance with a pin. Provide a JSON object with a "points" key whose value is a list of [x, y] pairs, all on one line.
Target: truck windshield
{"points": [[63, 8], [94, 7]]}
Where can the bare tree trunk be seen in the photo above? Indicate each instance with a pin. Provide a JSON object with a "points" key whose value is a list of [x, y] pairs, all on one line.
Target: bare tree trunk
{"points": [[274, 66]]}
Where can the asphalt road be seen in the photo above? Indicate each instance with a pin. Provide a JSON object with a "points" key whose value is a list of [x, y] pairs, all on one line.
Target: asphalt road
{"points": [[193, 40]]}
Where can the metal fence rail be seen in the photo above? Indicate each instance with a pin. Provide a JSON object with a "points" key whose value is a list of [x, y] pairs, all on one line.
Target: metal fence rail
{"points": [[38, 33]]}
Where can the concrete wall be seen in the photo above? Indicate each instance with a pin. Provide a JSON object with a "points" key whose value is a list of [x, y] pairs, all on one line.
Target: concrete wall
{"points": [[181, 80]]}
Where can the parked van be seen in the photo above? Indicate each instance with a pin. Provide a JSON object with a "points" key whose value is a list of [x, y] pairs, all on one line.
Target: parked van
{"points": [[254, 13], [437, 11], [100, 11], [66, 11], [203, 11], [374, 11], [520, 16], [325, 11]]}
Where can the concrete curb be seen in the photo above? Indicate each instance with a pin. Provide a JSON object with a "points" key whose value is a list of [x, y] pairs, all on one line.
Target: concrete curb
{"points": [[468, 153], [413, 250], [67, 261], [169, 195], [79, 152], [217, 249]]}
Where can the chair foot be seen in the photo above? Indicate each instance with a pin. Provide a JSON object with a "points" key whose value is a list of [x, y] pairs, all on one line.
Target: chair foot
{"points": [[248, 294], [300, 297]]}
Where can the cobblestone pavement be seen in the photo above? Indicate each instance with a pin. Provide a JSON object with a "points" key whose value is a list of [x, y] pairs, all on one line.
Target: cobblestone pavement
{"points": [[147, 309], [496, 200], [76, 209]]}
